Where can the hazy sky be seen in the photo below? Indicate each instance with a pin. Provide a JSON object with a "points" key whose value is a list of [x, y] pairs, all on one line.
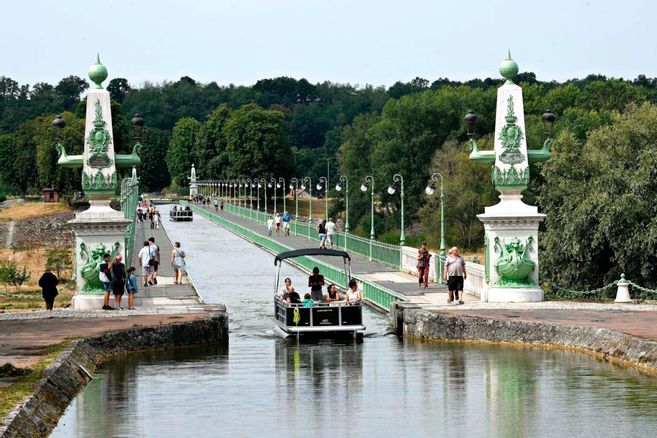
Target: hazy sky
{"points": [[358, 41]]}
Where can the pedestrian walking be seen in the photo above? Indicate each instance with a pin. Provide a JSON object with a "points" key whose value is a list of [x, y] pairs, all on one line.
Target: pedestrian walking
{"points": [[132, 287], [286, 223], [216, 205], [158, 220], [221, 205], [144, 258], [423, 259], [105, 276], [455, 274], [48, 284], [270, 225], [118, 280], [154, 251], [321, 230], [330, 231], [178, 263], [277, 222]]}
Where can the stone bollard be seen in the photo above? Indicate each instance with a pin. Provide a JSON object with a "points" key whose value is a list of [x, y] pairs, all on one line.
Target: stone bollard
{"points": [[623, 292]]}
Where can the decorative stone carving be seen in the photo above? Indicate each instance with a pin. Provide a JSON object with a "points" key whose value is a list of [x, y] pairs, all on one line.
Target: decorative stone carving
{"points": [[513, 265], [91, 269]]}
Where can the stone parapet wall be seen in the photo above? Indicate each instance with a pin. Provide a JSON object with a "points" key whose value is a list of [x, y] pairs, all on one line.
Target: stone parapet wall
{"points": [[73, 370], [425, 325]]}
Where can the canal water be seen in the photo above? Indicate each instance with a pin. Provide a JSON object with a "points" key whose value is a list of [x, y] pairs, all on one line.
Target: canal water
{"points": [[262, 385]]}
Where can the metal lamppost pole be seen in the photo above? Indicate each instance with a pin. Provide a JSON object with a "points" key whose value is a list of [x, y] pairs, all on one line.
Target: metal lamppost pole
{"points": [[391, 190], [310, 204], [281, 184], [258, 193], [429, 191], [319, 187], [250, 182], [338, 187], [296, 202], [364, 188], [272, 184]]}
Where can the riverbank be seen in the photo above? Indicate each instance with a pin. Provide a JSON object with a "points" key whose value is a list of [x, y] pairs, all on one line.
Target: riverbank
{"points": [[63, 353], [622, 333]]}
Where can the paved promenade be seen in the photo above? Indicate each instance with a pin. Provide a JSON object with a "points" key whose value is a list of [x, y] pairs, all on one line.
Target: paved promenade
{"points": [[385, 276]]}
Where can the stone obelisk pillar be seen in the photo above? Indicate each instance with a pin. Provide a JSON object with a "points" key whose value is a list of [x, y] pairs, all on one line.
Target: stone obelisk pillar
{"points": [[511, 226], [193, 186], [100, 229]]}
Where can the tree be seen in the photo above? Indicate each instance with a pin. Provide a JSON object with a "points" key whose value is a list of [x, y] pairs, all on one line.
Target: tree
{"points": [[257, 144], [210, 142], [179, 156], [598, 196], [153, 172], [118, 88], [68, 91], [59, 259]]}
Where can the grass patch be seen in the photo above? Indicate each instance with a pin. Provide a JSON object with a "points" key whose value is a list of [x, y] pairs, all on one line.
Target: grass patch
{"points": [[25, 385], [30, 210]]}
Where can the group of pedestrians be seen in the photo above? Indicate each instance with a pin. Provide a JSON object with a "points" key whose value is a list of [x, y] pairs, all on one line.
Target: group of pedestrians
{"points": [[276, 222], [326, 231], [148, 213], [118, 281], [454, 272]]}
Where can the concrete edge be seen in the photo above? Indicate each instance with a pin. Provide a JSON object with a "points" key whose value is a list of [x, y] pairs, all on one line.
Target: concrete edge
{"points": [[416, 323], [73, 370]]}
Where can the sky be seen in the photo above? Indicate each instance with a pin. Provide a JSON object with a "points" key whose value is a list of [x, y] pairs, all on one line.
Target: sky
{"points": [[359, 41]]}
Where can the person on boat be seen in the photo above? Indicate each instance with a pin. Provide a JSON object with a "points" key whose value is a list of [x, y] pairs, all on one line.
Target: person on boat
{"points": [[293, 297], [315, 283], [332, 293], [286, 289], [455, 274], [353, 294], [307, 301]]}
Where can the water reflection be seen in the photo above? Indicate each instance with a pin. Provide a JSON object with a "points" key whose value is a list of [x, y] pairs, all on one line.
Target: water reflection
{"points": [[380, 386]]}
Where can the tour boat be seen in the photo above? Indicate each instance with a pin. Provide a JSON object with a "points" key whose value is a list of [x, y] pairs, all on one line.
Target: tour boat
{"points": [[181, 215], [323, 319]]}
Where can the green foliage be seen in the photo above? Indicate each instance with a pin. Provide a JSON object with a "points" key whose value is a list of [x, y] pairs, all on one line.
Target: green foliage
{"points": [[59, 259], [153, 172], [598, 196], [11, 275], [210, 142], [179, 157]]}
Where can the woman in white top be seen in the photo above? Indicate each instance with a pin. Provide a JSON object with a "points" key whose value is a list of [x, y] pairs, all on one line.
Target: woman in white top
{"points": [[286, 289], [353, 294]]}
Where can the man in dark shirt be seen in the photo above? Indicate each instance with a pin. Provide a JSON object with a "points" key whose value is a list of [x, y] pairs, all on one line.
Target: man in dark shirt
{"points": [[106, 279], [315, 282]]}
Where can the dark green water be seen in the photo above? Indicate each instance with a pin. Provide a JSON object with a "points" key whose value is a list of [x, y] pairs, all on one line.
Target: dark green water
{"points": [[264, 386]]}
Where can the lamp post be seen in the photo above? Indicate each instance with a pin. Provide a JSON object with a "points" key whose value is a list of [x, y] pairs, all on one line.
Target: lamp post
{"points": [[272, 184], [296, 202], [391, 190], [310, 204], [319, 187], [258, 193], [281, 184], [364, 187], [429, 191], [338, 187], [250, 183]]}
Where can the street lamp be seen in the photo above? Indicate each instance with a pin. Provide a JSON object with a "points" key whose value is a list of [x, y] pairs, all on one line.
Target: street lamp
{"points": [[429, 191], [319, 187], [310, 203], [296, 202], [391, 190], [250, 185], [338, 187], [272, 183], [281, 183], [264, 188], [363, 188]]}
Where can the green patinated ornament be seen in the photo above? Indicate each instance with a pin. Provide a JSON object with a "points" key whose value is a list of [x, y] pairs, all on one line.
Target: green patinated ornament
{"points": [[98, 73], [511, 135], [91, 269], [99, 182], [510, 178], [509, 69], [514, 267], [486, 259], [99, 140]]}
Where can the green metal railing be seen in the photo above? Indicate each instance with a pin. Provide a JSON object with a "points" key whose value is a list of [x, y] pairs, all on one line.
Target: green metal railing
{"points": [[129, 200], [384, 253], [380, 296]]}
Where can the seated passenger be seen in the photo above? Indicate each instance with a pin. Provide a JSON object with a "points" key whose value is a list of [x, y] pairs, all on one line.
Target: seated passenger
{"points": [[333, 294], [307, 301], [353, 294], [293, 297], [287, 286]]}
